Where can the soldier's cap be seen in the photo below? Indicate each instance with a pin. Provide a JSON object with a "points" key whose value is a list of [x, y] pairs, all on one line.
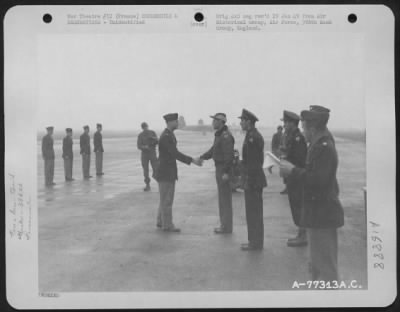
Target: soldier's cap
{"points": [[99, 125], [85, 127], [248, 115], [314, 115], [171, 117], [50, 128], [219, 116], [288, 115], [319, 109], [68, 129]]}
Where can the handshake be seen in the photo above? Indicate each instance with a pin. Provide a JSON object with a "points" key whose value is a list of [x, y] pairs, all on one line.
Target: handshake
{"points": [[198, 161]]}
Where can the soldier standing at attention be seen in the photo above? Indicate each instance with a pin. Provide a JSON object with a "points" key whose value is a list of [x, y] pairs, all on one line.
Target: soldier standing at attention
{"points": [[85, 152], [147, 142], [167, 172], [296, 151], [48, 156], [254, 181], [98, 150], [68, 155], [222, 154], [321, 211]]}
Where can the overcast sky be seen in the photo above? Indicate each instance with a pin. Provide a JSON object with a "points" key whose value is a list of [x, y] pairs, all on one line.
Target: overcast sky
{"points": [[122, 80]]}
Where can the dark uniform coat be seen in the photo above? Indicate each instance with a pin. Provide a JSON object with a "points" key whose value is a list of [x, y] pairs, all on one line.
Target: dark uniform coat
{"points": [[168, 154], [67, 147], [47, 147], [321, 207], [296, 152], [98, 142], [253, 160], [276, 143], [85, 144], [222, 150]]}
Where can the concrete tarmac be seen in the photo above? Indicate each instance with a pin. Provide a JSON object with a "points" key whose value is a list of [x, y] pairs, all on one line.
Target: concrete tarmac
{"points": [[101, 235]]}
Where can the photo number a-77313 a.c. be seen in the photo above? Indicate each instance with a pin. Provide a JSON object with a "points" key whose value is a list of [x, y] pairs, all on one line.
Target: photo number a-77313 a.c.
{"points": [[353, 284]]}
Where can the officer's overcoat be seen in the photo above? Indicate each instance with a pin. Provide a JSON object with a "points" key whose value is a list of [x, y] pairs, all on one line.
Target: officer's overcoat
{"points": [[168, 154], [47, 147], [321, 207], [253, 160]]}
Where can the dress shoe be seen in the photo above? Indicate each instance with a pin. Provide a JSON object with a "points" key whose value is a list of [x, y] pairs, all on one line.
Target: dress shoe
{"points": [[297, 242], [221, 231], [174, 229], [100, 174], [285, 191], [159, 225], [147, 188], [248, 247]]}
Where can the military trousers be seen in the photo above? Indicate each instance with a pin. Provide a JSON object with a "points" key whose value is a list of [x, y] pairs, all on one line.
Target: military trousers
{"points": [[99, 163], [68, 168], [86, 165], [295, 193], [224, 200], [254, 216], [49, 171], [323, 249], [149, 157], [167, 192]]}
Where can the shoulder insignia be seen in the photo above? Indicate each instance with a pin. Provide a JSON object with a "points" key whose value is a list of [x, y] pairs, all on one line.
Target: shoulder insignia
{"points": [[297, 138], [324, 144], [226, 135]]}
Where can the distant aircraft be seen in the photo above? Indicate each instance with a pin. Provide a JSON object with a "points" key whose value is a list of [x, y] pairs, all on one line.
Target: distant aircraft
{"points": [[201, 127]]}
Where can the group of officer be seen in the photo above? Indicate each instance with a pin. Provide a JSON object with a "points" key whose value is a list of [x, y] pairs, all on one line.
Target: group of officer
{"points": [[68, 155], [308, 165]]}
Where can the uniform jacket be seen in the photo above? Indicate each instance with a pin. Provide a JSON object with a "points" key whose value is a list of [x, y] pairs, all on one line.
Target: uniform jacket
{"points": [[168, 154], [147, 138], [85, 143], [47, 147], [321, 207], [98, 142], [276, 143], [67, 147], [296, 148], [222, 150], [253, 160]]}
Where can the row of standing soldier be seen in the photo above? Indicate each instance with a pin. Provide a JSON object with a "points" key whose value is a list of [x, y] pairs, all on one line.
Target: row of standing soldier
{"points": [[68, 156]]}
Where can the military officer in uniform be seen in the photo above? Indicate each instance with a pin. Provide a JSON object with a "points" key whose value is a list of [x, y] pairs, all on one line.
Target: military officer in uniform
{"points": [[48, 156], [85, 152], [68, 154], [222, 153], [321, 211], [98, 149], [254, 180], [167, 172], [147, 142], [295, 153]]}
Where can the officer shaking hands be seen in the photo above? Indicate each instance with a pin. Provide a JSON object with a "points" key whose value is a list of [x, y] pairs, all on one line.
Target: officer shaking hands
{"points": [[254, 181], [222, 153]]}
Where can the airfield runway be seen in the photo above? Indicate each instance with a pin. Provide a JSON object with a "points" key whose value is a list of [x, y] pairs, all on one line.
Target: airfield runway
{"points": [[100, 235]]}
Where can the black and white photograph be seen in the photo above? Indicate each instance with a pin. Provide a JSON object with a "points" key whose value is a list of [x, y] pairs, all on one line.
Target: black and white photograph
{"points": [[200, 156]]}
